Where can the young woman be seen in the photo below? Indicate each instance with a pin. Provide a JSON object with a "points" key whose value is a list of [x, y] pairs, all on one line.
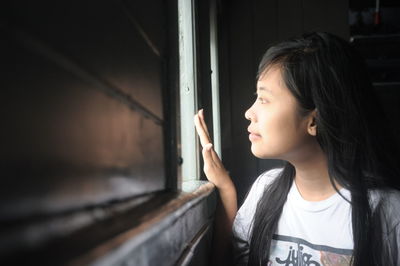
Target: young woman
{"points": [[333, 203]]}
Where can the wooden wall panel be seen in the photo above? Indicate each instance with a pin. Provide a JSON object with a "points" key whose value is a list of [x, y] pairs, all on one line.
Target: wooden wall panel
{"points": [[82, 105], [265, 30], [106, 38], [290, 18], [330, 16]]}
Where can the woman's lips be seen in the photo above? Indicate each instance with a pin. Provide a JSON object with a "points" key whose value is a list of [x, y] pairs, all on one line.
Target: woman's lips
{"points": [[254, 137]]}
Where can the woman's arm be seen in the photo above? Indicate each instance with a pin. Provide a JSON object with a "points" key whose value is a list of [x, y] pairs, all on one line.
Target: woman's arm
{"points": [[222, 235], [227, 202]]}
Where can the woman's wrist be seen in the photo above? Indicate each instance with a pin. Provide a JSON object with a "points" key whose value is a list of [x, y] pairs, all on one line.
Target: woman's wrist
{"points": [[226, 186]]}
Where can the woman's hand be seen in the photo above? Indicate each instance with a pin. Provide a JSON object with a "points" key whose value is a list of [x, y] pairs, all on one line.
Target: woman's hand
{"points": [[213, 168], [221, 253]]}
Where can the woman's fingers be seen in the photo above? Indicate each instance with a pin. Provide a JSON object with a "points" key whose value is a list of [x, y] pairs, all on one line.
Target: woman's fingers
{"points": [[203, 123], [213, 168], [207, 153], [204, 138], [209, 164], [215, 157]]}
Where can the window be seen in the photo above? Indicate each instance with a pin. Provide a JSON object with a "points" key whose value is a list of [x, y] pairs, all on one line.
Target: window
{"points": [[197, 16], [89, 149]]}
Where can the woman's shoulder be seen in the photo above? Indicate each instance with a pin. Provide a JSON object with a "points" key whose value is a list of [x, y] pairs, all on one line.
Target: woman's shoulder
{"points": [[259, 185], [387, 196], [244, 216], [387, 203], [268, 177]]}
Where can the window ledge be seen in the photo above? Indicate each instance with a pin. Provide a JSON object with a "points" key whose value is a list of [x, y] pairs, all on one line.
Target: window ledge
{"points": [[193, 185], [165, 236]]}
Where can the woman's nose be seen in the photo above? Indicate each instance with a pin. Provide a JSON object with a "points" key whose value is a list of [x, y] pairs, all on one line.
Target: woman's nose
{"points": [[249, 114]]}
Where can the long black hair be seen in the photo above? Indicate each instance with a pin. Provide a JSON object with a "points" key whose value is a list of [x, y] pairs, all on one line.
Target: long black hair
{"points": [[325, 74]]}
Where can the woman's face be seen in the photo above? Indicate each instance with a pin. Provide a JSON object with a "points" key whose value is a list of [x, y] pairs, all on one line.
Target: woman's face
{"points": [[277, 130]]}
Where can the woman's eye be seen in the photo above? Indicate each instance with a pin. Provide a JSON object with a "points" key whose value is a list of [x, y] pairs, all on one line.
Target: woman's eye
{"points": [[262, 100]]}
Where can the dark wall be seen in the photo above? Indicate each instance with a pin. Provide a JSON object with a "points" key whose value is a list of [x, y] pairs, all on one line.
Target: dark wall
{"points": [[82, 104], [246, 31]]}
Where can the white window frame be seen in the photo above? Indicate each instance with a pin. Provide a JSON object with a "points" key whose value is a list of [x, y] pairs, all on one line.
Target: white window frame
{"points": [[190, 150], [188, 90], [214, 78]]}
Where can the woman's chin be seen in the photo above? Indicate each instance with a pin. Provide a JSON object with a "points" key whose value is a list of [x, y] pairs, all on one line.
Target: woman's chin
{"points": [[261, 154]]}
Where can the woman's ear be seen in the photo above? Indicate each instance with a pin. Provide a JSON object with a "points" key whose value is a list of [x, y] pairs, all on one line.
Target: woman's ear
{"points": [[311, 124]]}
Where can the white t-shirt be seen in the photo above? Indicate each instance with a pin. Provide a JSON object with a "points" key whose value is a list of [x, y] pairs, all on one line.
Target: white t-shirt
{"points": [[308, 233], [317, 233]]}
